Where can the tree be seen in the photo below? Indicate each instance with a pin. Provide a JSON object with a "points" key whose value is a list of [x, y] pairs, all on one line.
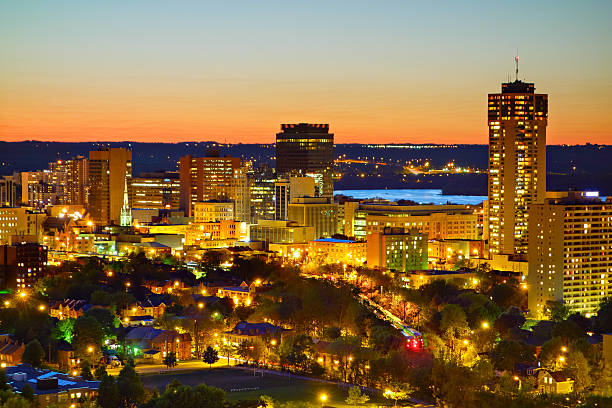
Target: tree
{"points": [[507, 296], [108, 393], [27, 392], [16, 401], [4, 381], [100, 372], [556, 311], [356, 397], [88, 337], [227, 350], [131, 390], [107, 320], [33, 354], [604, 316], [508, 353], [211, 356], [170, 359], [86, 371], [185, 396], [578, 366], [64, 330], [512, 319]]}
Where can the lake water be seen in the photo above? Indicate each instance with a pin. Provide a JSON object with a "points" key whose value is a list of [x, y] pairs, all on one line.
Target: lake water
{"points": [[421, 196]]}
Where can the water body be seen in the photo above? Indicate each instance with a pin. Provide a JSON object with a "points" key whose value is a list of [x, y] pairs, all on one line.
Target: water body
{"points": [[421, 196]]}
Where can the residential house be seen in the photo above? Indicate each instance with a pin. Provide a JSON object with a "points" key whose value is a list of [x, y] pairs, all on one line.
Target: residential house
{"points": [[554, 382], [10, 350], [153, 306], [68, 309], [254, 331], [66, 359], [155, 343], [242, 295]]}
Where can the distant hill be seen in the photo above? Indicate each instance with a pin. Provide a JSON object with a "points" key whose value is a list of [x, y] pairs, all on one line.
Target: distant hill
{"points": [[583, 166]]}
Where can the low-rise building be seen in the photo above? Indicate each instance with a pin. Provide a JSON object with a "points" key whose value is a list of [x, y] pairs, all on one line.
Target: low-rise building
{"points": [[156, 343], [332, 250], [241, 295], [264, 332], [281, 231], [68, 309], [51, 387], [10, 350], [554, 382]]}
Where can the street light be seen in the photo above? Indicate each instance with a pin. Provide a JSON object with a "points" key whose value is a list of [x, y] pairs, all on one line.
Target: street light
{"points": [[273, 342], [485, 325], [323, 398]]}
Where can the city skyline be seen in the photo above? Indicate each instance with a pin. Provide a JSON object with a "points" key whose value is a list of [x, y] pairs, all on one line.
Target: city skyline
{"points": [[402, 73]]}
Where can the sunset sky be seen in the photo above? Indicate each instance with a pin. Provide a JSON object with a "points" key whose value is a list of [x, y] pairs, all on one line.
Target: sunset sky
{"points": [[376, 71]]}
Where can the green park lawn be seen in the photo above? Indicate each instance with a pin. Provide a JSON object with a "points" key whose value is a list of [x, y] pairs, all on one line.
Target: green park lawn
{"points": [[278, 387]]}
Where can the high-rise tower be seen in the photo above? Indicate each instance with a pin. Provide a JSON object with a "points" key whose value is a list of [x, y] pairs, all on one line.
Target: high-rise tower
{"points": [[517, 119], [109, 171], [306, 149]]}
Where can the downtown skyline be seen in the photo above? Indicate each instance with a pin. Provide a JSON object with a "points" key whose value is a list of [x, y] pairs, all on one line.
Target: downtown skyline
{"points": [[402, 73]]}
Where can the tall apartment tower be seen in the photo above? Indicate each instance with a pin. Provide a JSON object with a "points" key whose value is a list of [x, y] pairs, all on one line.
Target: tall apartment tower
{"points": [[214, 178], [72, 174], [110, 170], [306, 149], [570, 249], [517, 119]]}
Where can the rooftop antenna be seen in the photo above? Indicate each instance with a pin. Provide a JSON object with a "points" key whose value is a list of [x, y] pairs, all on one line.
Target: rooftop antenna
{"points": [[516, 60]]}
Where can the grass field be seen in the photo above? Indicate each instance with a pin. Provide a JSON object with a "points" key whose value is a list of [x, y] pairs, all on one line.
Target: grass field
{"points": [[278, 387]]}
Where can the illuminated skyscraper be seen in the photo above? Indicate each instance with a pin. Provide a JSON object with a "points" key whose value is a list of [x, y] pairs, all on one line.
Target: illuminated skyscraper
{"points": [[306, 149], [109, 172], [517, 119], [215, 178]]}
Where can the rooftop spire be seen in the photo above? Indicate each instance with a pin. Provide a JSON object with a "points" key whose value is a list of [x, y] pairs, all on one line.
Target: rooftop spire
{"points": [[516, 60]]}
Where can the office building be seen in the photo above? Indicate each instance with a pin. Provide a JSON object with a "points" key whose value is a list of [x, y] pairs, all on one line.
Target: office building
{"points": [[9, 190], [160, 190], [306, 149], [570, 252], [18, 222], [215, 178], [280, 231], [216, 234], [318, 212], [285, 190], [21, 264], [437, 221], [262, 194], [517, 119], [212, 211], [110, 171], [397, 250]]}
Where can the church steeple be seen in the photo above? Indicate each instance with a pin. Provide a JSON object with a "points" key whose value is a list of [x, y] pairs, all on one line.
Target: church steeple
{"points": [[125, 218]]}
